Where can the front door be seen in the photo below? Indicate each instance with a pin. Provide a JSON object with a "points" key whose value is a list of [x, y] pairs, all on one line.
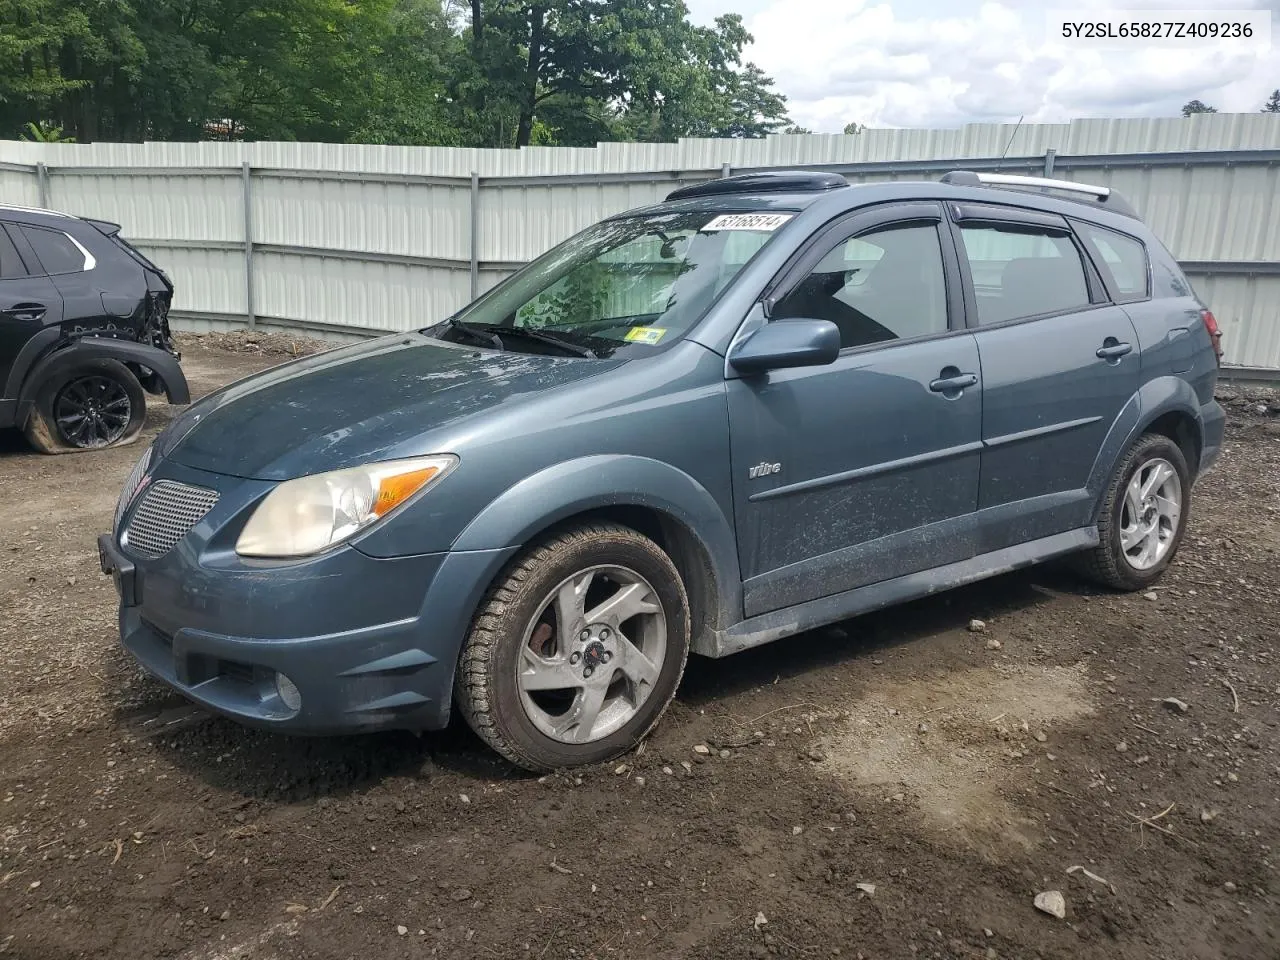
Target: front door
{"points": [[1059, 363], [28, 304], [865, 469]]}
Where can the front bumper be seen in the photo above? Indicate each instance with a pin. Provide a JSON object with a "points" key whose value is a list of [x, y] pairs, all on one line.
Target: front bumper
{"points": [[367, 643]]}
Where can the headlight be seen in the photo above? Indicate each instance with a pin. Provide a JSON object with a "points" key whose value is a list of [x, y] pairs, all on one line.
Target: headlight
{"points": [[304, 516], [131, 486]]}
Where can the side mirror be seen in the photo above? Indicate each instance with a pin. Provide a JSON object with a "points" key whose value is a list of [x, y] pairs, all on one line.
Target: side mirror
{"points": [[787, 343]]}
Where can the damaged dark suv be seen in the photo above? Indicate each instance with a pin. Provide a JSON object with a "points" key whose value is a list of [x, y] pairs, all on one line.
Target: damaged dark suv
{"points": [[84, 332]]}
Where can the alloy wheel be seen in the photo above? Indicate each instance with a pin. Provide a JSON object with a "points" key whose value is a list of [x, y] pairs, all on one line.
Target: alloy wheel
{"points": [[92, 411], [592, 654], [1150, 514]]}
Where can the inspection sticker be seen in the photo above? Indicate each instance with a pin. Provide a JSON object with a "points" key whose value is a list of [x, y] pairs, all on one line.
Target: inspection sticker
{"points": [[650, 335], [747, 221]]}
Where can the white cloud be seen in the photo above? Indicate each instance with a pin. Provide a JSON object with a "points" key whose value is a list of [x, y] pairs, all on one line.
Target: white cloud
{"points": [[928, 63]]}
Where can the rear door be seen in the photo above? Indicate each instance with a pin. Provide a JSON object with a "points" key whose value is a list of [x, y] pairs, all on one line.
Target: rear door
{"points": [[97, 298], [865, 469], [1059, 362], [29, 304]]}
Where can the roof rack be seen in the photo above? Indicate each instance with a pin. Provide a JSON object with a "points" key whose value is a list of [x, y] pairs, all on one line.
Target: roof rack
{"points": [[1084, 192], [15, 208], [773, 181]]}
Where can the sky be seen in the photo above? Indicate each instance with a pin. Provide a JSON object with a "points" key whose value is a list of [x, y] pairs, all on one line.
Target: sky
{"points": [[943, 63]]}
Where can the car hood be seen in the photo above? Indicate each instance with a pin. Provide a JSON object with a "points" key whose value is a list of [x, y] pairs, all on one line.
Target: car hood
{"points": [[375, 401]]}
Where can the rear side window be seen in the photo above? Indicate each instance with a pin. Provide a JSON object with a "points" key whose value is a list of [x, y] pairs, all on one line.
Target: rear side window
{"points": [[1023, 272], [57, 252], [880, 286], [1121, 257], [10, 263]]}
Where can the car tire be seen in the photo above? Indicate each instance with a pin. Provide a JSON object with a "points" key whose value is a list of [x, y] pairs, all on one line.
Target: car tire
{"points": [[1124, 559], [548, 695], [105, 396]]}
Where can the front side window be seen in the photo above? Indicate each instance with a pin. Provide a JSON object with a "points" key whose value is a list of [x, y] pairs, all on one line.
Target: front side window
{"points": [[631, 284], [58, 253], [1023, 271], [1124, 258], [884, 285]]}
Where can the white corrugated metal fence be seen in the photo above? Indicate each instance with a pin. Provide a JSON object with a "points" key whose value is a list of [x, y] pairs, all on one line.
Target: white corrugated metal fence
{"points": [[352, 238]]}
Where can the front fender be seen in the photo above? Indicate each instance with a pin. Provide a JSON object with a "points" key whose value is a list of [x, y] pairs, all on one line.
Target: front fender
{"points": [[66, 359], [1154, 399], [591, 483]]}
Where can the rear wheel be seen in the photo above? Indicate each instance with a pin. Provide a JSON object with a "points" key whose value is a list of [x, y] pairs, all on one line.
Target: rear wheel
{"points": [[1143, 516], [577, 650], [99, 404]]}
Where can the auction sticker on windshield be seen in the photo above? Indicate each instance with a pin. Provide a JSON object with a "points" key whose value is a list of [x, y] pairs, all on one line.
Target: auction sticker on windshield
{"points": [[650, 335], [747, 221]]}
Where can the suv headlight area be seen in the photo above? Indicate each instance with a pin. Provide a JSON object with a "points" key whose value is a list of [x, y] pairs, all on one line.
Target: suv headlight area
{"points": [[308, 515]]}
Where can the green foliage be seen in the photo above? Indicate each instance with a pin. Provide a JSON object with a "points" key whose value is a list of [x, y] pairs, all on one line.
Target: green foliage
{"points": [[1196, 106], [1273, 103], [854, 128], [44, 133], [484, 73]]}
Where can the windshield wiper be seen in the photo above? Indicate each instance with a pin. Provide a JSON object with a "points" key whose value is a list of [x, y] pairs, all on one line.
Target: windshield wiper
{"points": [[484, 336], [576, 349]]}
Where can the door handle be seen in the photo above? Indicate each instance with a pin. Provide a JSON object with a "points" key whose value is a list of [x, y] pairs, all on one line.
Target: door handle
{"points": [[1112, 349], [952, 381], [29, 312]]}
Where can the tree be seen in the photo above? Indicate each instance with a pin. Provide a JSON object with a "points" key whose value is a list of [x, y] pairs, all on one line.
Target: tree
{"points": [[854, 127], [475, 72], [1273, 103], [1196, 106], [795, 129], [604, 69]]}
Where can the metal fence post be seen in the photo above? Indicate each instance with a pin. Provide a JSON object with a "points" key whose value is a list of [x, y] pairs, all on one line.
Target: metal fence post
{"points": [[42, 184], [475, 234], [1049, 156], [245, 179]]}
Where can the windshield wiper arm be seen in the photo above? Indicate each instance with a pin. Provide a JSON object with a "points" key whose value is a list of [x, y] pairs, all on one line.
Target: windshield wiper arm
{"points": [[484, 336], [574, 348]]}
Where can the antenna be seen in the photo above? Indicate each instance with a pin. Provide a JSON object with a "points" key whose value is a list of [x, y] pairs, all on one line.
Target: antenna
{"points": [[1016, 128]]}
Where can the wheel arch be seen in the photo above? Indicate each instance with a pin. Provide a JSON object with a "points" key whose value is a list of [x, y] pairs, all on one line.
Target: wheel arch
{"points": [[66, 359], [1165, 405], [653, 498]]}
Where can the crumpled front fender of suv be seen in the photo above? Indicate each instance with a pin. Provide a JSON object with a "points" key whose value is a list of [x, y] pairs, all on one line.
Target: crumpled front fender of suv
{"points": [[162, 363], [578, 486]]}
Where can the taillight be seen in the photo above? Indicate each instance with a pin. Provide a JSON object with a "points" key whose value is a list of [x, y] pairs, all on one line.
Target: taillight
{"points": [[1211, 326]]}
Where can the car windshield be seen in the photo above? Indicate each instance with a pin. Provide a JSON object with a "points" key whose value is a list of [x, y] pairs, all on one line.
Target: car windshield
{"points": [[633, 283]]}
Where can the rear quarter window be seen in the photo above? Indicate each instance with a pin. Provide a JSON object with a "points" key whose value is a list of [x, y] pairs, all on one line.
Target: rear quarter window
{"points": [[1122, 259], [57, 252]]}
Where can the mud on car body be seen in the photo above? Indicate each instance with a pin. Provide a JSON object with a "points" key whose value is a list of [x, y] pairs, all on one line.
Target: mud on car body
{"points": [[769, 403], [84, 332]]}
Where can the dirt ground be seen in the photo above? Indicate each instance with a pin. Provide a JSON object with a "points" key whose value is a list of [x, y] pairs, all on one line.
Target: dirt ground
{"points": [[898, 786]]}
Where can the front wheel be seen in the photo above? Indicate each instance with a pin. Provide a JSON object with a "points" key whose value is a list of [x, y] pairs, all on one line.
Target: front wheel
{"points": [[1143, 516], [577, 649]]}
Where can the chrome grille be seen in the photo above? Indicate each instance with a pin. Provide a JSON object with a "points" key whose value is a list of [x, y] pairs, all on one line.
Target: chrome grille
{"points": [[166, 512]]}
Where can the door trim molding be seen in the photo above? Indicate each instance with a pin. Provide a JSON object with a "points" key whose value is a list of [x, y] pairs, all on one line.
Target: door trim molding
{"points": [[1039, 431], [871, 470]]}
